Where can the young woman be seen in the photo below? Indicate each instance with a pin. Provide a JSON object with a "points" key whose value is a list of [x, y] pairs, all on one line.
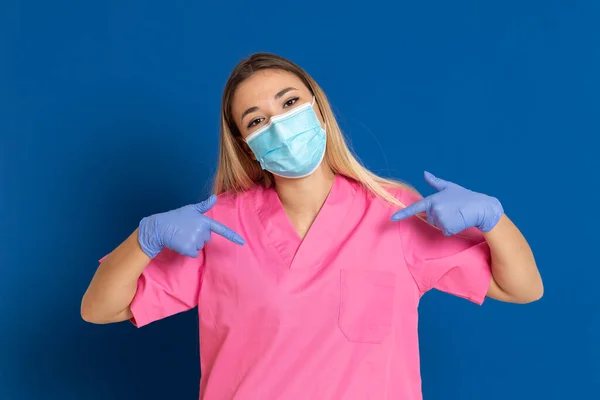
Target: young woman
{"points": [[306, 268]]}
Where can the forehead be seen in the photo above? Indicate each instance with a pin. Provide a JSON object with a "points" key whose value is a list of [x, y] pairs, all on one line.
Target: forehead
{"points": [[263, 85]]}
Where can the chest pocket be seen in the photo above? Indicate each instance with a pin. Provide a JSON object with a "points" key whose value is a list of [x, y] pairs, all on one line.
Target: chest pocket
{"points": [[366, 304]]}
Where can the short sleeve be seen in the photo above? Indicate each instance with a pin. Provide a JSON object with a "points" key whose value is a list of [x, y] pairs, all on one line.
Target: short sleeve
{"points": [[459, 265], [170, 284]]}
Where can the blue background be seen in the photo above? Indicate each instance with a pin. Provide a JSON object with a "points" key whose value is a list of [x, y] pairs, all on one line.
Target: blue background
{"points": [[110, 110]]}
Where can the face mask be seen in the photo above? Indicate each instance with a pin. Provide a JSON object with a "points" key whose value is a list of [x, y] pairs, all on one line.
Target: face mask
{"points": [[291, 145]]}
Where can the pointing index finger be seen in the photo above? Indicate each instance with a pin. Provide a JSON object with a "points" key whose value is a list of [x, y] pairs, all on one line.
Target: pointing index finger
{"points": [[413, 209], [224, 231]]}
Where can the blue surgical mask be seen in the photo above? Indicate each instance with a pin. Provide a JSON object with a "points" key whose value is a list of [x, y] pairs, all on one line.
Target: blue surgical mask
{"points": [[291, 145]]}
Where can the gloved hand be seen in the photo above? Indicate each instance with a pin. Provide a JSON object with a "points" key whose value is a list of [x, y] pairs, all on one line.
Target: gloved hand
{"points": [[453, 208], [185, 230]]}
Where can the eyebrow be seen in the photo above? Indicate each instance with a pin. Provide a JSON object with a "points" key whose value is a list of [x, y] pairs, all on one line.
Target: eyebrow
{"points": [[279, 94]]}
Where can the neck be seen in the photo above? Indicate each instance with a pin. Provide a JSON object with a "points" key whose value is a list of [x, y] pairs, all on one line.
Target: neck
{"points": [[305, 196]]}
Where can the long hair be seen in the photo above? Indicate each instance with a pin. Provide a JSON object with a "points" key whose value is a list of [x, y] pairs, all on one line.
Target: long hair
{"points": [[237, 171]]}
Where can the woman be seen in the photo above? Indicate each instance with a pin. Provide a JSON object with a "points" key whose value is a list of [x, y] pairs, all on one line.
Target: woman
{"points": [[310, 287]]}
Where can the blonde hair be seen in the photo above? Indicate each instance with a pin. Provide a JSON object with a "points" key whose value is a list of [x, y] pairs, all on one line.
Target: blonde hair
{"points": [[237, 171]]}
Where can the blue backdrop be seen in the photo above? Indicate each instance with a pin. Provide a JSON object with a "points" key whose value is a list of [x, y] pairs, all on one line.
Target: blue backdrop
{"points": [[110, 110]]}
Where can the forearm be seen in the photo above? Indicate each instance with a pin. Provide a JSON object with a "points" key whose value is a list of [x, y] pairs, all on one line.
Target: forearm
{"points": [[114, 284], [514, 269]]}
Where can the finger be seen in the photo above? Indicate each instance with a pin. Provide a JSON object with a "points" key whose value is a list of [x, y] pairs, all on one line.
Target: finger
{"points": [[431, 219], [413, 209], [224, 231], [189, 252], [206, 237], [437, 183], [203, 239], [206, 205]]}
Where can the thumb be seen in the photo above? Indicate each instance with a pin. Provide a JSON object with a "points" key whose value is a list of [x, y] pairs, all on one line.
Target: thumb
{"points": [[206, 205], [437, 183]]}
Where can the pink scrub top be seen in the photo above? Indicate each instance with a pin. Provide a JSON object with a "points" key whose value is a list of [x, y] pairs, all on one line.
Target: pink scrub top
{"points": [[333, 316]]}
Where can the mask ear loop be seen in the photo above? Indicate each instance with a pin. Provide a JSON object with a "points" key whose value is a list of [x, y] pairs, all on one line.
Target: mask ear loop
{"points": [[312, 105]]}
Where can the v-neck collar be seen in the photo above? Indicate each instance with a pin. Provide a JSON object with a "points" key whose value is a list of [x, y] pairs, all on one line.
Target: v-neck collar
{"points": [[310, 252]]}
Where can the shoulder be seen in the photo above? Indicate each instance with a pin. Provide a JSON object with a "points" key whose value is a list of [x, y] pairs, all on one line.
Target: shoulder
{"points": [[382, 198], [395, 193], [230, 202], [404, 193]]}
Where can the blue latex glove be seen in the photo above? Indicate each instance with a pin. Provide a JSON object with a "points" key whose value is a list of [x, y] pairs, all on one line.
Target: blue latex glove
{"points": [[185, 230], [453, 208]]}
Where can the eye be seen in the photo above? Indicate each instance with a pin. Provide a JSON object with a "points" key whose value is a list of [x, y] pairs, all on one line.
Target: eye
{"points": [[290, 102], [255, 122]]}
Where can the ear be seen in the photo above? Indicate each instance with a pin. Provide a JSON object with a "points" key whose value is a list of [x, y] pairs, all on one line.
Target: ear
{"points": [[246, 148]]}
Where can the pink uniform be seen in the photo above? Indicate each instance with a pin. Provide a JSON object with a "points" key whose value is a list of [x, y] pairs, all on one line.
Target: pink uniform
{"points": [[333, 316]]}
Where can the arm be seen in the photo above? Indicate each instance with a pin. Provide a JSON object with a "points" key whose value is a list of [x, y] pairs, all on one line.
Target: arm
{"points": [[498, 264], [516, 278], [113, 287], [157, 271]]}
